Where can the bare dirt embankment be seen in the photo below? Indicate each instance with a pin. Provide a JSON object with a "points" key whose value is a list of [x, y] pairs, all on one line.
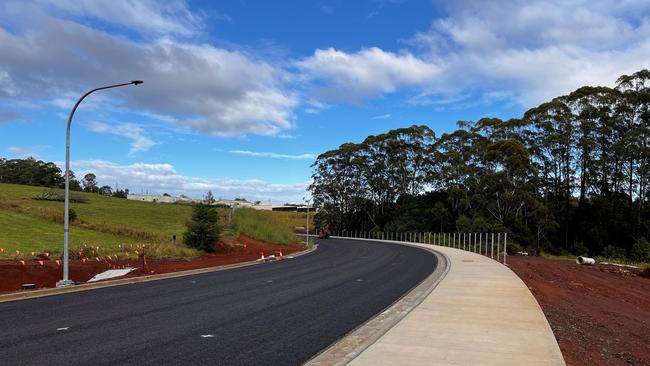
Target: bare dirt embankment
{"points": [[45, 272], [600, 314]]}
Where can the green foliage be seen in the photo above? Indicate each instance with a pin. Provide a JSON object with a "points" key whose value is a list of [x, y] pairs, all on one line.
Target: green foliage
{"points": [[263, 225], [571, 176], [640, 251], [203, 228], [30, 171]]}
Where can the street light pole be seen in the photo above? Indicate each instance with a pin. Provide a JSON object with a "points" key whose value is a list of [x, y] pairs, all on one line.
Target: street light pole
{"points": [[66, 205], [307, 235]]}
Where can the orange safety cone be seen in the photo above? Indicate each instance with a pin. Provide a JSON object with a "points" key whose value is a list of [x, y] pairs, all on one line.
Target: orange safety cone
{"points": [[262, 259], [281, 256]]}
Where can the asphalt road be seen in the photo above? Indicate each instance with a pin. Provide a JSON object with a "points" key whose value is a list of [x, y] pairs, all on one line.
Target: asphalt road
{"points": [[277, 313]]}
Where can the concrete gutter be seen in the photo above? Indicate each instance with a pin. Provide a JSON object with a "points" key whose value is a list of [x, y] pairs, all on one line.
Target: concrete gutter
{"points": [[354, 343], [25, 295]]}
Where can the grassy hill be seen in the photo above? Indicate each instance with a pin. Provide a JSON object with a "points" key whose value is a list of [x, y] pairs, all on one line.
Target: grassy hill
{"points": [[27, 224]]}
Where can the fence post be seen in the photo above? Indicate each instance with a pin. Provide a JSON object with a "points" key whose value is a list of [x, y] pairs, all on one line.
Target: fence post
{"points": [[505, 251], [498, 247], [492, 246], [474, 251]]}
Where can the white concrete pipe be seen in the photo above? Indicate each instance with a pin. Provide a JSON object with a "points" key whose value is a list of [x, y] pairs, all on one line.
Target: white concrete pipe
{"points": [[585, 260]]}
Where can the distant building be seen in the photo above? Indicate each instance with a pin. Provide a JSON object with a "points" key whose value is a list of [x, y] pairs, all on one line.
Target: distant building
{"points": [[159, 198], [236, 203]]}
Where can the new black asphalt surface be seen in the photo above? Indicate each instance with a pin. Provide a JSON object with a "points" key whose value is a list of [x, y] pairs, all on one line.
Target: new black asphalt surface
{"points": [[277, 313]]}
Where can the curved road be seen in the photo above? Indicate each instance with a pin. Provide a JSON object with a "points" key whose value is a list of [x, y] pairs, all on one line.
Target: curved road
{"points": [[278, 313]]}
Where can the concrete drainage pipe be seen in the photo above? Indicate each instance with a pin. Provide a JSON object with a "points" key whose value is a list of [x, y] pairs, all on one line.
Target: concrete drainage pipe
{"points": [[585, 260]]}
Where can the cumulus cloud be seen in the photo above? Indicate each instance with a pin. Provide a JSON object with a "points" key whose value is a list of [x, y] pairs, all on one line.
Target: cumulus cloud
{"points": [[203, 88], [160, 178], [131, 131], [274, 155], [168, 17], [523, 51], [534, 50], [365, 74]]}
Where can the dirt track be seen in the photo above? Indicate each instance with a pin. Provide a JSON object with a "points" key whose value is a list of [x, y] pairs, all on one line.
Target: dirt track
{"points": [[600, 314], [14, 273]]}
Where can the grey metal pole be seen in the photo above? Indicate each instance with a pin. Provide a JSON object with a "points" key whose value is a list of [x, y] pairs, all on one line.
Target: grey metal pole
{"points": [[307, 237], [66, 203]]}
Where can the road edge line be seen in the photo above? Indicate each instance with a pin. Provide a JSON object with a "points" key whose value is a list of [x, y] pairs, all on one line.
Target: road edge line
{"points": [[26, 295], [351, 345]]}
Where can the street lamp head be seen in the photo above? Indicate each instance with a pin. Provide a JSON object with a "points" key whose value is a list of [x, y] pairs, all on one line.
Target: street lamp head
{"points": [[136, 82]]}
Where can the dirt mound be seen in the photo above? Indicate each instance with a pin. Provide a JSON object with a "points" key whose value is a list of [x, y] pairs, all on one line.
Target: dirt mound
{"points": [[45, 272], [600, 314]]}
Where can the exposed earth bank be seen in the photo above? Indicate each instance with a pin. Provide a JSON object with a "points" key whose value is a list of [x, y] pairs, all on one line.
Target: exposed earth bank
{"points": [[600, 314], [46, 272]]}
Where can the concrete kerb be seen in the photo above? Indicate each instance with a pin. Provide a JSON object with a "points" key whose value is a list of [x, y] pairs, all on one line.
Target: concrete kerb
{"points": [[25, 295], [354, 343]]}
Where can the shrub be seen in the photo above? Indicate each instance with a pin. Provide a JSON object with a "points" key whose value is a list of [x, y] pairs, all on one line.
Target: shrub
{"points": [[72, 215], [202, 229], [613, 252], [640, 251]]}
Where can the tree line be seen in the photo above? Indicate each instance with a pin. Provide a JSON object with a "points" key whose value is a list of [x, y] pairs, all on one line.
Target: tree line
{"points": [[571, 176], [47, 174]]}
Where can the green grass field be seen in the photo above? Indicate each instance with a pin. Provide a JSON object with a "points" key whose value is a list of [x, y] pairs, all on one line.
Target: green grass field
{"points": [[30, 225]]}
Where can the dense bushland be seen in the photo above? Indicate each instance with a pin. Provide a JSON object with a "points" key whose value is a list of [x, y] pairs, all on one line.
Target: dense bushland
{"points": [[571, 176]]}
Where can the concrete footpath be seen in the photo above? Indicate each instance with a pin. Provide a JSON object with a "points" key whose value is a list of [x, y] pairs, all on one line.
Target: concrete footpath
{"points": [[481, 313]]}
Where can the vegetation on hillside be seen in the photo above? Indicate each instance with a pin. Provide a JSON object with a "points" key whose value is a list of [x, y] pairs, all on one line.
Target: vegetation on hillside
{"points": [[262, 225], [30, 224], [570, 176], [47, 174]]}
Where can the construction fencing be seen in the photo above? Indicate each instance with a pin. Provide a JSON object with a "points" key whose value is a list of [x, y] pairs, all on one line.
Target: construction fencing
{"points": [[493, 245]]}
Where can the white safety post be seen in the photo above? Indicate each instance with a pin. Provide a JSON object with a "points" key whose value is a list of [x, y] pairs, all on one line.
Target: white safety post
{"points": [[498, 247], [492, 246], [486, 244], [505, 244]]}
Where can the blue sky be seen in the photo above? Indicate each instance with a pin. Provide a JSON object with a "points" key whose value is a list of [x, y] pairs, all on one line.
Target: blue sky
{"points": [[240, 96]]}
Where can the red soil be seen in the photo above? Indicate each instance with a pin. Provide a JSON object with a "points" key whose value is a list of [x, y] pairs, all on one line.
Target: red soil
{"points": [[600, 314], [47, 272]]}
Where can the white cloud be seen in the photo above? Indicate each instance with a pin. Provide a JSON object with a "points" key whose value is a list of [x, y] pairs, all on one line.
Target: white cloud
{"points": [[131, 131], [160, 178], [27, 151], [534, 50], [274, 155], [382, 116], [168, 17], [200, 87], [365, 74], [529, 51]]}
